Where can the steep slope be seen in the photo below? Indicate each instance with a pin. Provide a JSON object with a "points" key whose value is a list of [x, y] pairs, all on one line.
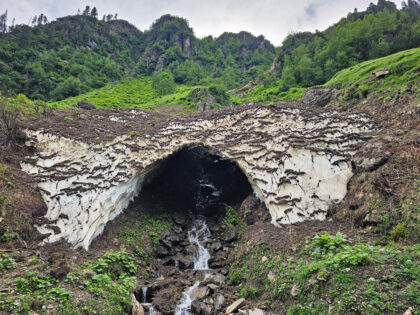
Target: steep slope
{"points": [[74, 54], [308, 59], [398, 74]]}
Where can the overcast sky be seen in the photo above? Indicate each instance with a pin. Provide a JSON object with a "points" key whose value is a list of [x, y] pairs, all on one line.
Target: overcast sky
{"points": [[272, 18]]}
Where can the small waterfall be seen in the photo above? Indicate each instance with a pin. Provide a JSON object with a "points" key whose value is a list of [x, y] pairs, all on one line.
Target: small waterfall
{"points": [[152, 311], [144, 290], [207, 195], [197, 235]]}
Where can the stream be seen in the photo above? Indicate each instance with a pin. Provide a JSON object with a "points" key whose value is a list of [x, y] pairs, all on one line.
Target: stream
{"points": [[197, 235]]}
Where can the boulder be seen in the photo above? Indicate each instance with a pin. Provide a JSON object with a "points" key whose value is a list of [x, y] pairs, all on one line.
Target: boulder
{"points": [[180, 218], [137, 308], [317, 96], [218, 303], [255, 311], [201, 308], [230, 236], [203, 98], [85, 105], [371, 156], [200, 293], [381, 73], [217, 279]]}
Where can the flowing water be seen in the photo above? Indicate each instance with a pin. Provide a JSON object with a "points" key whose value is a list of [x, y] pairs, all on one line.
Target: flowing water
{"points": [[198, 235]]}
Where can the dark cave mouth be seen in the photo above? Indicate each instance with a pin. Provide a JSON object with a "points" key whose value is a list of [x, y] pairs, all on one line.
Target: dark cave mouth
{"points": [[195, 180]]}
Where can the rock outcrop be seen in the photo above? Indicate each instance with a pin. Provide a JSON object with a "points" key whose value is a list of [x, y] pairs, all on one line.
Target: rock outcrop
{"points": [[317, 95], [298, 161]]}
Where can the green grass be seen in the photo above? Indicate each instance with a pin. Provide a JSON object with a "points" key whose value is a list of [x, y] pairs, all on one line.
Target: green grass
{"points": [[131, 93], [359, 82], [269, 94], [356, 82], [356, 278]]}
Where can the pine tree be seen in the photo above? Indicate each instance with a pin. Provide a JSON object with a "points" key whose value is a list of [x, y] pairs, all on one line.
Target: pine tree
{"points": [[86, 10], [94, 13], [3, 22]]}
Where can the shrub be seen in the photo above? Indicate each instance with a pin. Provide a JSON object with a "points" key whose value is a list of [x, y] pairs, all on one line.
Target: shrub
{"points": [[398, 232], [231, 217], [10, 127], [163, 83]]}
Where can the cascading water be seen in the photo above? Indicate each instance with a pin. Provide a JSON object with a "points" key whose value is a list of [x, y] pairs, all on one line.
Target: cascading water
{"points": [[152, 311], [198, 235], [207, 195]]}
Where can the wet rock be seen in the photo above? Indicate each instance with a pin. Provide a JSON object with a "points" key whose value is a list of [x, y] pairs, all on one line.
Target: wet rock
{"points": [[174, 239], [201, 308], [234, 306], [317, 96], [212, 287], [217, 279], [167, 243], [185, 262], [136, 309], [230, 236], [162, 252], [191, 249], [218, 303], [200, 293], [177, 229], [180, 218], [217, 246]]}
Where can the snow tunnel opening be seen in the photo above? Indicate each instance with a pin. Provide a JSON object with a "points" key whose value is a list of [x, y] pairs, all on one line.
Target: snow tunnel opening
{"points": [[196, 180]]}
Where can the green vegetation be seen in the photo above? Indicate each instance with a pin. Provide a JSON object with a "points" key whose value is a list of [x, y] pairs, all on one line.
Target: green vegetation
{"points": [[309, 59], [358, 81], [356, 277], [75, 54], [109, 280], [144, 231], [231, 217], [274, 92], [6, 262], [163, 83], [135, 93]]}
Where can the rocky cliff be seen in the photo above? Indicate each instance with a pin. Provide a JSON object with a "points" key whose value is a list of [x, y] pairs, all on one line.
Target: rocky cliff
{"points": [[298, 161]]}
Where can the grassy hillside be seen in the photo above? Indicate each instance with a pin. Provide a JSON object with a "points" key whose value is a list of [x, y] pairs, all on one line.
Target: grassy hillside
{"points": [[134, 93], [359, 82], [307, 59], [356, 82]]}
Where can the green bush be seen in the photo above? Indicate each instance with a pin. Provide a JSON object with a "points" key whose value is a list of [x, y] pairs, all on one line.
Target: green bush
{"points": [[6, 262], [163, 83], [231, 216], [398, 232]]}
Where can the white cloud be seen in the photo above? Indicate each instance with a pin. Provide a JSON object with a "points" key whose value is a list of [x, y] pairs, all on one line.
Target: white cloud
{"points": [[272, 18]]}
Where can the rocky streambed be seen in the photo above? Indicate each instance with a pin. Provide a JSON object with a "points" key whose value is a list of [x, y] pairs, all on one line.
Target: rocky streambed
{"points": [[189, 272]]}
